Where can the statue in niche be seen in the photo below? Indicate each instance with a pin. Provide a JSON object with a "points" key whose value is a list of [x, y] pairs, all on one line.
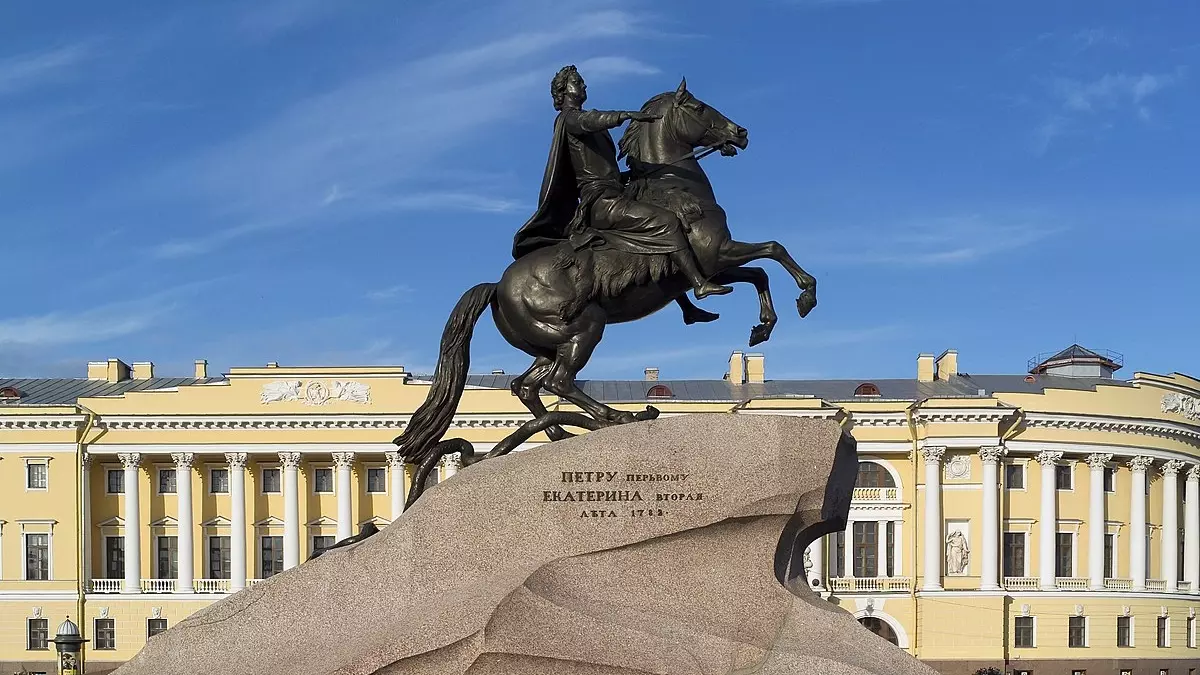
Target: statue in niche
{"points": [[958, 554]]}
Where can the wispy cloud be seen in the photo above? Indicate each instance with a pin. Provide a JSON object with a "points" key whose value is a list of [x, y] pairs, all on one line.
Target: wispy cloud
{"points": [[389, 293], [33, 69], [614, 66], [266, 19], [1092, 107], [356, 148], [937, 241]]}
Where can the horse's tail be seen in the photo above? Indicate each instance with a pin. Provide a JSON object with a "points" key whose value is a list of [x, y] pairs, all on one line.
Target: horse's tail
{"points": [[433, 418]]}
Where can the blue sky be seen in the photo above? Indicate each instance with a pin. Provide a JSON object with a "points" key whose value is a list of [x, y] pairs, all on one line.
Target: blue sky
{"points": [[281, 181]]}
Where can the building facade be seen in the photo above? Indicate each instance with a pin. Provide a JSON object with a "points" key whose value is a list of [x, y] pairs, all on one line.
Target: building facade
{"points": [[1046, 522]]}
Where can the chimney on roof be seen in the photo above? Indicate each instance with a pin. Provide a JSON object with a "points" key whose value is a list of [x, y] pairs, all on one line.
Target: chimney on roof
{"points": [[946, 365], [925, 368], [497, 371], [737, 368], [652, 374], [112, 370], [756, 368], [143, 370], [272, 364], [201, 369]]}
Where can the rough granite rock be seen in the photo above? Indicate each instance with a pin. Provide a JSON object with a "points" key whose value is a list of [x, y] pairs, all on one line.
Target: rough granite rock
{"points": [[495, 573]]}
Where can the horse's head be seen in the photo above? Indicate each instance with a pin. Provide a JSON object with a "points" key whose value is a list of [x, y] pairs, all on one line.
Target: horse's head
{"points": [[687, 122]]}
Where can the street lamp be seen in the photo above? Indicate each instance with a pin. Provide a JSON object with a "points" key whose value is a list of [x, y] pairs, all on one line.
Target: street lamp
{"points": [[70, 648]]}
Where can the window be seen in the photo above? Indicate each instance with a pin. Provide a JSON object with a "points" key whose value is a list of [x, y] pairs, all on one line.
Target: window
{"points": [[1014, 476], [38, 635], [839, 553], [659, 391], [219, 562], [106, 634], [866, 549], [1064, 555], [1078, 672], [166, 481], [376, 480], [1110, 556], [1077, 631], [1191, 632], [155, 626], [889, 546], [1124, 631], [270, 481], [1014, 554], [866, 389], [37, 557], [1063, 476], [1163, 632], [116, 482], [272, 556], [872, 475], [219, 481], [1110, 479], [114, 557], [168, 557], [1023, 631], [35, 476], [323, 480], [322, 542]]}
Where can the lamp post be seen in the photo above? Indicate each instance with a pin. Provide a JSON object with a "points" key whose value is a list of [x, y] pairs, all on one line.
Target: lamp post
{"points": [[70, 648]]}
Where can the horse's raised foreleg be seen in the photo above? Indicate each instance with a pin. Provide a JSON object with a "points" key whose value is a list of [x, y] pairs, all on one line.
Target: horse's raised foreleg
{"points": [[738, 253], [766, 307]]}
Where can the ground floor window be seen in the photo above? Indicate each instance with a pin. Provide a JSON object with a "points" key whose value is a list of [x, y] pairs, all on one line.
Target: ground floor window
{"points": [[39, 634], [155, 626], [881, 628], [322, 542], [1124, 631], [1023, 631], [1077, 631], [272, 556], [106, 634]]}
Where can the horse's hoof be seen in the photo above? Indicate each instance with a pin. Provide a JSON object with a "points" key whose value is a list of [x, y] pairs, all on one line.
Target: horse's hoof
{"points": [[760, 334], [650, 413], [805, 303]]}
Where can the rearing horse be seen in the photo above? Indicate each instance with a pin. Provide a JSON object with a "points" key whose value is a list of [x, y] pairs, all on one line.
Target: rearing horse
{"points": [[554, 302]]}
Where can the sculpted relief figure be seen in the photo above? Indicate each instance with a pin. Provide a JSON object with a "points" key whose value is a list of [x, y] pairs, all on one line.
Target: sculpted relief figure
{"points": [[603, 247], [958, 555]]}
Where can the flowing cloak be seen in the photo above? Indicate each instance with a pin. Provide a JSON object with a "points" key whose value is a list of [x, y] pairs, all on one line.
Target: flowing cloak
{"points": [[558, 202]]}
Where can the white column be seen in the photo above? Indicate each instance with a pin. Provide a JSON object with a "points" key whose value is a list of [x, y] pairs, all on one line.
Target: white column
{"points": [[86, 517], [1097, 463], [1137, 521], [1191, 529], [1170, 525], [933, 518], [291, 509], [450, 465], [133, 525], [1049, 519], [989, 549], [344, 461], [848, 549], [396, 474], [185, 581], [816, 553], [237, 520], [881, 548]]}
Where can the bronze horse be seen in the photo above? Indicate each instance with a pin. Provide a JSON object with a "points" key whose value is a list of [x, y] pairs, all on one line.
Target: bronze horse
{"points": [[554, 302]]}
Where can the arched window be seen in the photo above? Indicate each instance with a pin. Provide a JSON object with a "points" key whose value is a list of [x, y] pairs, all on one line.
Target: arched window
{"points": [[10, 392], [866, 389], [660, 391], [881, 628], [872, 475]]}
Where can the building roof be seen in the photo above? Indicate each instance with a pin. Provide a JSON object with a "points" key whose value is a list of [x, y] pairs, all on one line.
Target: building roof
{"points": [[1076, 354], [66, 391]]}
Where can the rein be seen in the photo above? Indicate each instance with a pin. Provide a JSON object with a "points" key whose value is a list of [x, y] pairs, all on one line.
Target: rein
{"points": [[698, 153]]}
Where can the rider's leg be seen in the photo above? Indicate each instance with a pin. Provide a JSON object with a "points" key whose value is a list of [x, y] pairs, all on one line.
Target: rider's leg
{"points": [[685, 260]]}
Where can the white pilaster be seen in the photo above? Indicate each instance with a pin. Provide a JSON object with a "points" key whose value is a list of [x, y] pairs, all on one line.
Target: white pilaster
{"points": [[237, 520], [1097, 463], [933, 518], [848, 549], [291, 508], [1048, 527], [1191, 529], [344, 461], [816, 553], [133, 524], [1170, 524], [183, 492], [989, 568], [1137, 521], [396, 474]]}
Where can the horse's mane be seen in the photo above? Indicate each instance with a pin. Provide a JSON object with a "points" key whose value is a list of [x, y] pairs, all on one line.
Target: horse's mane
{"points": [[633, 133]]}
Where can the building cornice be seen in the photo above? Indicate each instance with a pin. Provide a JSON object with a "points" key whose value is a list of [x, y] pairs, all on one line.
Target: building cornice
{"points": [[260, 422], [1124, 425], [41, 421]]}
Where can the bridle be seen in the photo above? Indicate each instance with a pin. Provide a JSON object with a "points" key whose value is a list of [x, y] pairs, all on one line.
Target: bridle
{"points": [[696, 153]]}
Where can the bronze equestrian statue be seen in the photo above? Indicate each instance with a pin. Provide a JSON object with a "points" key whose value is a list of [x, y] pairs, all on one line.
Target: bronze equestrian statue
{"points": [[603, 247]]}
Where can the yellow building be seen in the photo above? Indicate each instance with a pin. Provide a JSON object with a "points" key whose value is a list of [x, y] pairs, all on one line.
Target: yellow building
{"points": [[1040, 523]]}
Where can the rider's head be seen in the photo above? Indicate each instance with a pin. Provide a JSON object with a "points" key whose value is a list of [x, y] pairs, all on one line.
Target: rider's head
{"points": [[567, 86]]}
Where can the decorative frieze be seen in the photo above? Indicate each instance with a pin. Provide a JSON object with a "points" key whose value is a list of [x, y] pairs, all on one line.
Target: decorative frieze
{"points": [[315, 392], [1188, 406], [958, 468]]}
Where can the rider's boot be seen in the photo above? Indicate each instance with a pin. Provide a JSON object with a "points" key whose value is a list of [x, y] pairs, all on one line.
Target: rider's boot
{"points": [[701, 286]]}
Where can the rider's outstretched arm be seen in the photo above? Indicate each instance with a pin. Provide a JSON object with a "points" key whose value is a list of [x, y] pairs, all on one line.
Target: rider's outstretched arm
{"points": [[591, 121]]}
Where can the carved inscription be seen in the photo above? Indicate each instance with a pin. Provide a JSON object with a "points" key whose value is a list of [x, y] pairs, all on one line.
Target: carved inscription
{"points": [[617, 494]]}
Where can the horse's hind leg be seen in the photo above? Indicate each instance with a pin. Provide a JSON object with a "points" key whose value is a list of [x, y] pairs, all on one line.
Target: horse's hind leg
{"points": [[570, 358], [766, 308], [527, 386]]}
